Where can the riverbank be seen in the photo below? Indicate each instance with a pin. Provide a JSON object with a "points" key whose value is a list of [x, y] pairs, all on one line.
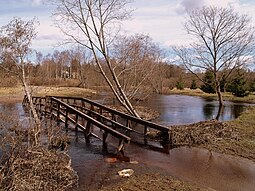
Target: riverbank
{"points": [[16, 94], [234, 137], [226, 96]]}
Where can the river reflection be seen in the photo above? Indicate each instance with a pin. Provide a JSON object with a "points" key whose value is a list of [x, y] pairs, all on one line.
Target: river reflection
{"points": [[16, 112], [182, 109]]}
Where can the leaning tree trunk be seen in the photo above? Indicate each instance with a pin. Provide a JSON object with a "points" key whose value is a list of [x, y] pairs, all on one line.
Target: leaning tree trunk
{"points": [[37, 125]]}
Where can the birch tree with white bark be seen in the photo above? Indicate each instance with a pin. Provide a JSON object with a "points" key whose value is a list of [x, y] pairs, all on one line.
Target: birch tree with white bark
{"points": [[15, 47], [93, 24]]}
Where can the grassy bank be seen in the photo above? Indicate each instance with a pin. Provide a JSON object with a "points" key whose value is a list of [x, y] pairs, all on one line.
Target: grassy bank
{"points": [[10, 90], [235, 137], [16, 94], [64, 91], [245, 127], [226, 96]]}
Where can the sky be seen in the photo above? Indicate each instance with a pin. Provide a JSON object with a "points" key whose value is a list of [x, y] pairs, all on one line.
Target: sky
{"points": [[162, 20]]}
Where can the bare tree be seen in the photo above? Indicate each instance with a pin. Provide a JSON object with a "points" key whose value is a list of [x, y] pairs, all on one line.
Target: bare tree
{"points": [[224, 41], [92, 24], [136, 60], [15, 41], [81, 59]]}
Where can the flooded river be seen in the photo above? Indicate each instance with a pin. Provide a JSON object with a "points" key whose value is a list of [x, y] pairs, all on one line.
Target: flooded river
{"points": [[199, 166], [182, 109]]}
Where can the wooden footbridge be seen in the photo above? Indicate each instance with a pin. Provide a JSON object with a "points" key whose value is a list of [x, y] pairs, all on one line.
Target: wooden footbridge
{"points": [[97, 120]]}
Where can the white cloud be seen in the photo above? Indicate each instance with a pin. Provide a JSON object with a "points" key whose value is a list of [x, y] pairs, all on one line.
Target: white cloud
{"points": [[36, 2], [188, 5]]}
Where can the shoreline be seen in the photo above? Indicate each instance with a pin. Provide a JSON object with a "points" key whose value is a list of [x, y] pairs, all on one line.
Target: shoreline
{"points": [[226, 96]]}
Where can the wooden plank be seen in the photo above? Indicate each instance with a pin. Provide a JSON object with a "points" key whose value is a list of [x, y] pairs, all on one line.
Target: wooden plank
{"points": [[124, 115], [109, 120], [93, 121]]}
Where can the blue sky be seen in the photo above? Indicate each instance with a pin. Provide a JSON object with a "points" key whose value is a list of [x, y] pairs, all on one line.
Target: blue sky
{"points": [[161, 19]]}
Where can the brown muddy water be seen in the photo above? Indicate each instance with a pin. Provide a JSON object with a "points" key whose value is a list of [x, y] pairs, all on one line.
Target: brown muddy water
{"points": [[195, 165]]}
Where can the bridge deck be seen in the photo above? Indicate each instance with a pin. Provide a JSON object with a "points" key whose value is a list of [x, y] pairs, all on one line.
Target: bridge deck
{"points": [[85, 114]]}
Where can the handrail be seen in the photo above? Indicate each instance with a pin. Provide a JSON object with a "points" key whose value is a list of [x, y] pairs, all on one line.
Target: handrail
{"points": [[93, 121], [124, 115]]}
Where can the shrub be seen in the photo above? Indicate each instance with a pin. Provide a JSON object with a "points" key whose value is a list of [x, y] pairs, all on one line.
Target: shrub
{"points": [[209, 86], [180, 85], [193, 85], [238, 87]]}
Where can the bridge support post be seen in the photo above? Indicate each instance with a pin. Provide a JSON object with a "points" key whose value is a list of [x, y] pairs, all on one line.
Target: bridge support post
{"points": [[105, 134], [121, 146], [66, 120], [76, 122], [87, 132], [58, 114], [167, 140], [145, 135]]}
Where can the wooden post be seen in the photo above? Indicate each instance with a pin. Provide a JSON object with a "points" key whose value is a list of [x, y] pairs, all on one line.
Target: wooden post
{"points": [[167, 136], [76, 122], [145, 134], [114, 119], [121, 146], [66, 120], [145, 130], [40, 102], [51, 109], [87, 132], [58, 113], [105, 134], [83, 104]]}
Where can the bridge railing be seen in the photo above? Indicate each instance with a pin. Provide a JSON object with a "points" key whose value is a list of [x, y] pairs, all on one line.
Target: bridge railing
{"points": [[166, 134], [65, 113], [102, 113]]}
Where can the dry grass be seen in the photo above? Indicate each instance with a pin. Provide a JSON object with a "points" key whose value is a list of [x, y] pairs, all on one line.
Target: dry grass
{"points": [[149, 182], [11, 90], [64, 91], [28, 167]]}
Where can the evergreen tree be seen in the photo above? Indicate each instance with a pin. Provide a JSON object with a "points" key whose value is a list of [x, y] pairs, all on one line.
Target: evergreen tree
{"points": [[238, 86], [193, 84], [209, 86], [252, 86], [180, 85]]}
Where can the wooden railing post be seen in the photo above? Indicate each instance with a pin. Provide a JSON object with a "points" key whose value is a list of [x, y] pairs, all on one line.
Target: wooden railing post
{"points": [[145, 134], [58, 113], [51, 108], [66, 120], [105, 134], [87, 131], [76, 122]]}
